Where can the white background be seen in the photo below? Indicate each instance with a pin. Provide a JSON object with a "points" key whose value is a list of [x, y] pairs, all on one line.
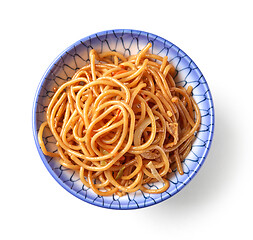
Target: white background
{"points": [[217, 204]]}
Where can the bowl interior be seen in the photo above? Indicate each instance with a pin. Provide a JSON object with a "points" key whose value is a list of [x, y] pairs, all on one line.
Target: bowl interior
{"points": [[127, 42]]}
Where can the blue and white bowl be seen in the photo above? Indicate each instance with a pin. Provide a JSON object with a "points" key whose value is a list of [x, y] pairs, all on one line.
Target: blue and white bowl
{"points": [[127, 42]]}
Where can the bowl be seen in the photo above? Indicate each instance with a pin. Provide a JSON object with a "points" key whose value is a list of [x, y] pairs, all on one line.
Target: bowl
{"points": [[127, 42]]}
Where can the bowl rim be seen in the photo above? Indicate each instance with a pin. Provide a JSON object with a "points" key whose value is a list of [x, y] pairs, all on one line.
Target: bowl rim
{"points": [[88, 200]]}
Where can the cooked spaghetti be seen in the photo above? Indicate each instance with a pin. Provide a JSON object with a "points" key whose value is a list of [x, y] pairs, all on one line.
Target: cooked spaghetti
{"points": [[122, 122]]}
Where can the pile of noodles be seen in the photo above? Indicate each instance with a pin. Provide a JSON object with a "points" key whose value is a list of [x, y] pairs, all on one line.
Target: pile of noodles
{"points": [[122, 122]]}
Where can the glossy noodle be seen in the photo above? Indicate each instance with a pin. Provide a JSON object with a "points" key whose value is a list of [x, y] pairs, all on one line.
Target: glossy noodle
{"points": [[122, 122]]}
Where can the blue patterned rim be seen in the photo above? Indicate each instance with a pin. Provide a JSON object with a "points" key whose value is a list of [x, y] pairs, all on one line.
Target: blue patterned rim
{"points": [[128, 42]]}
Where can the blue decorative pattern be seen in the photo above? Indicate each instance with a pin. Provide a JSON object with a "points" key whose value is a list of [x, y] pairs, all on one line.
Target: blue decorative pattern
{"points": [[127, 42]]}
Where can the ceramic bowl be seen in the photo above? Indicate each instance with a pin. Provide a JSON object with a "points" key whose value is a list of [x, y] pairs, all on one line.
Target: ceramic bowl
{"points": [[127, 42]]}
